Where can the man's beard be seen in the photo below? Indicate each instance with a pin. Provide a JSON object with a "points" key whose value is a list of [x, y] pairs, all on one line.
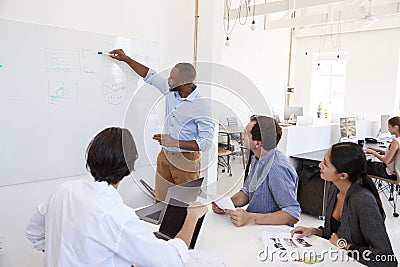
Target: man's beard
{"points": [[175, 89]]}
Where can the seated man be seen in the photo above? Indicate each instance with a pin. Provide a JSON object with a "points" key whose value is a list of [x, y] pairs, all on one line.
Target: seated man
{"points": [[85, 222], [270, 189]]}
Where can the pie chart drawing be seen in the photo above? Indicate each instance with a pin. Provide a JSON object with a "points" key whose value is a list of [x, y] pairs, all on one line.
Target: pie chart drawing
{"points": [[114, 92]]}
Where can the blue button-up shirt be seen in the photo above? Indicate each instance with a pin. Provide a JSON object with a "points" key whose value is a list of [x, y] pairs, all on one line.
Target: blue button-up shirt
{"points": [[187, 118], [279, 189]]}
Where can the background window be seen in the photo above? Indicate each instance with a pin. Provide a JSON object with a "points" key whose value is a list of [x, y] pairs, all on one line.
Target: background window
{"points": [[328, 82]]}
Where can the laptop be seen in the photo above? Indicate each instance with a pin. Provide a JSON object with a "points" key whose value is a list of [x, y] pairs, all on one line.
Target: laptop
{"points": [[185, 193], [173, 220]]}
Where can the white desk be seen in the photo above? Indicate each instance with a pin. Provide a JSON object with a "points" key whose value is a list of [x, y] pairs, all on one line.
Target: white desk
{"points": [[240, 245], [298, 139]]}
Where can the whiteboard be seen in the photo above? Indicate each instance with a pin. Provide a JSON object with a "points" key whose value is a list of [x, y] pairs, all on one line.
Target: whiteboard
{"points": [[56, 93]]}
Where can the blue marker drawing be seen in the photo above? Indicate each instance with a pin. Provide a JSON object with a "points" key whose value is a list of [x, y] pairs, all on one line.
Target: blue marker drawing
{"points": [[62, 60], [62, 92], [1, 65]]}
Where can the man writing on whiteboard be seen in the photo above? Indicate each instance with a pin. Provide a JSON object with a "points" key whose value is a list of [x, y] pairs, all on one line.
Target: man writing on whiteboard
{"points": [[188, 126]]}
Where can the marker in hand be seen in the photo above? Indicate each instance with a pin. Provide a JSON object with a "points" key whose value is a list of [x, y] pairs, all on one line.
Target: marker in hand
{"points": [[106, 54]]}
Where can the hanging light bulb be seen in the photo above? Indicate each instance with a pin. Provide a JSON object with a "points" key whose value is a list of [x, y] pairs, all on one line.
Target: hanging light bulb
{"points": [[253, 25], [227, 43]]}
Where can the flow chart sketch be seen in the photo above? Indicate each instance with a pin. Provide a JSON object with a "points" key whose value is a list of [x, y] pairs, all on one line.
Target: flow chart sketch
{"points": [[114, 92], [62, 92], [87, 56], [62, 60]]}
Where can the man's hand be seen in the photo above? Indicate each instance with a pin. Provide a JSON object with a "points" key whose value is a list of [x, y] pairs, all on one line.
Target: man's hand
{"points": [[217, 209], [119, 54], [239, 217], [166, 140]]}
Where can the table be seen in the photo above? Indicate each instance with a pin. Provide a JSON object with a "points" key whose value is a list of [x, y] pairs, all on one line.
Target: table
{"points": [[240, 246], [311, 188], [314, 157]]}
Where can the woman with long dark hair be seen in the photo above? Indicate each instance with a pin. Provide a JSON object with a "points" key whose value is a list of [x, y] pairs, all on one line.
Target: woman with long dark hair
{"points": [[354, 213], [385, 167]]}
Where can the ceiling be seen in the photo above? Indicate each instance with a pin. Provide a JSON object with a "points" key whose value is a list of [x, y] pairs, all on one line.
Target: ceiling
{"points": [[311, 17]]}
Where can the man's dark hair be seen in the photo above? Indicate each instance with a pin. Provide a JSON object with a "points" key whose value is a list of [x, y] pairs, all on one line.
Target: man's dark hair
{"points": [[187, 71], [267, 130], [111, 155]]}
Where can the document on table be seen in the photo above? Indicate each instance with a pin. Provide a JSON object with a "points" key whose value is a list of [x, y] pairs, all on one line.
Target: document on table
{"points": [[225, 203], [294, 250]]}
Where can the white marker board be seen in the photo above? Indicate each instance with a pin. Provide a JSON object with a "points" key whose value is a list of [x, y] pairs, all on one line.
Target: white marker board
{"points": [[56, 93]]}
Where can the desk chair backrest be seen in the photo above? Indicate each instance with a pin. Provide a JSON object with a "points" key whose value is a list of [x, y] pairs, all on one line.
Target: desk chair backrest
{"points": [[397, 167], [232, 121]]}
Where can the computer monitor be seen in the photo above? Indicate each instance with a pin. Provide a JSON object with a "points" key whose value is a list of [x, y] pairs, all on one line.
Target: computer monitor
{"points": [[384, 124], [348, 127], [289, 110]]}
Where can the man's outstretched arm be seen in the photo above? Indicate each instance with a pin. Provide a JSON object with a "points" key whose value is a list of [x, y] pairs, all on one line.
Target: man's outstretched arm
{"points": [[120, 55]]}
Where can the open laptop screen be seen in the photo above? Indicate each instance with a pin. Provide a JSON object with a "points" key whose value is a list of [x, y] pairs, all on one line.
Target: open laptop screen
{"points": [[173, 220]]}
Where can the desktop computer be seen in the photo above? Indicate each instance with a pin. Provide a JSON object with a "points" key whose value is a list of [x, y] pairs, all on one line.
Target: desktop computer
{"points": [[383, 132], [290, 113]]}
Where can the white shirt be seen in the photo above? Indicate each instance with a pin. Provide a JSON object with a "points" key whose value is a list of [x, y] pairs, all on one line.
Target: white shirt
{"points": [[85, 223]]}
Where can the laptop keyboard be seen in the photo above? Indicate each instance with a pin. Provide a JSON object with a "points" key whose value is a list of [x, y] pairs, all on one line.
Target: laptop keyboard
{"points": [[155, 215]]}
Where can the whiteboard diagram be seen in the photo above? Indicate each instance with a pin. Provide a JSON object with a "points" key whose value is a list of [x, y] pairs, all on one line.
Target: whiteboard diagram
{"points": [[62, 60], [62, 92], [58, 93], [114, 92]]}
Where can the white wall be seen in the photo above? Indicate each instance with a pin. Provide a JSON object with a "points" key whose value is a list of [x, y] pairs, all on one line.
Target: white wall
{"points": [[262, 56], [170, 23], [372, 67]]}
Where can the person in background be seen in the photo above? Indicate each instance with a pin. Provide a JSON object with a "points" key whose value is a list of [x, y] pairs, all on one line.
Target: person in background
{"points": [[354, 217], [385, 168], [270, 189], [188, 127], [85, 222]]}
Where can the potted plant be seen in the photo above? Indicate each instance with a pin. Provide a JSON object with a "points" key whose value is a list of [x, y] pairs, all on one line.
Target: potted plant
{"points": [[319, 110]]}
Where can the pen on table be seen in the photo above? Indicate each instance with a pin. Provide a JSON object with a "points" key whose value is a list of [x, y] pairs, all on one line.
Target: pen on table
{"points": [[105, 53]]}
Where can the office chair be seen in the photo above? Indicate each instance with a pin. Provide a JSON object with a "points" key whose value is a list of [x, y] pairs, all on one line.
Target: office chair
{"points": [[390, 188], [224, 153], [233, 121]]}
